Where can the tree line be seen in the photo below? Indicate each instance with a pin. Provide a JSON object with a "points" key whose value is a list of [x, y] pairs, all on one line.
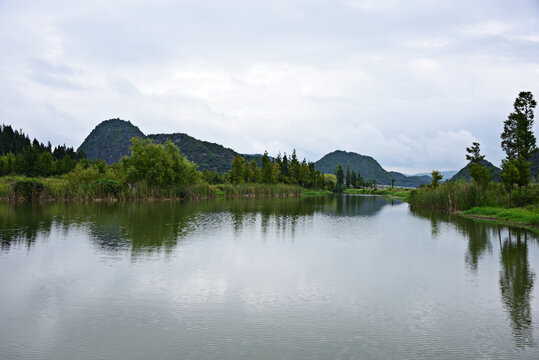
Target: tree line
{"points": [[279, 170], [20, 156], [350, 179], [150, 166]]}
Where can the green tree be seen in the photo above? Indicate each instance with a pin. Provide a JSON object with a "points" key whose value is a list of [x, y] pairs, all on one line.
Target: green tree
{"points": [[436, 177], [518, 140], [254, 172], [46, 164], [266, 169], [276, 174], [479, 173], [474, 153], [237, 172], [158, 165], [30, 164], [294, 169], [510, 175], [339, 173], [348, 176], [284, 166]]}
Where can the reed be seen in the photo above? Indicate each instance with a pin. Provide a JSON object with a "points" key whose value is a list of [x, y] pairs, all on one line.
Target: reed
{"points": [[459, 196], [237, 190]]}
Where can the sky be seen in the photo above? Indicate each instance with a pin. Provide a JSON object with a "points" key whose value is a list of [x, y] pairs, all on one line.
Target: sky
{"points": [[410, 83]]}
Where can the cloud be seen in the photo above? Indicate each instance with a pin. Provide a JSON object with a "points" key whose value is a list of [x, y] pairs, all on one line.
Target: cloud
{"points": [[409, 85]]}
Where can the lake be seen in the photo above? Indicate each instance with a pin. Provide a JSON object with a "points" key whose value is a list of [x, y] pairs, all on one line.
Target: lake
{"points": [[332, 277]]}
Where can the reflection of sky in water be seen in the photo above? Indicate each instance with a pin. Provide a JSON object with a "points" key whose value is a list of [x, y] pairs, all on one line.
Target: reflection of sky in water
{"points": [[263, 278]]}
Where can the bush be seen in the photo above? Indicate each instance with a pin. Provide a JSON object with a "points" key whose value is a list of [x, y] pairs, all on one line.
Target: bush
{"points": [[28, 189], [106, 189]]}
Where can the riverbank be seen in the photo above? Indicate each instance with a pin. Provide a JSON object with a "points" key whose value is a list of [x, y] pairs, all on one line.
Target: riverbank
{"points": [[527, 218], [485, 203], [17, 188]]}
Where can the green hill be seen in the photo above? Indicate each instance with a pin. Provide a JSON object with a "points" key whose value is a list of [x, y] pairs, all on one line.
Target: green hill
{"points": [[205, 154], [109, 140], [409, 181], [368, 167], [464, 174]]}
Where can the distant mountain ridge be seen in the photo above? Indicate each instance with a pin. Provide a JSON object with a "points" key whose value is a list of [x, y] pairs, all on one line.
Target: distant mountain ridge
{"points": [[448, 174], [368, 167], [110, 141]]}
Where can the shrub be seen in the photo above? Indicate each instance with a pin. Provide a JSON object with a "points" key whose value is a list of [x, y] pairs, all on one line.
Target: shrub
{"points": [[28, 189], [106, 189]]}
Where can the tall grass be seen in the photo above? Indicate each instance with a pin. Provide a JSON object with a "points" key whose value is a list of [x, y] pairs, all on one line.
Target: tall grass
{"points": [[459, 196], [68, 188], [397, 192], [237, 190]]}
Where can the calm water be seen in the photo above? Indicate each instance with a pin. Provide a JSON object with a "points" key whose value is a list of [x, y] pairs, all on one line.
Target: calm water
{"points": [[347, 277]]}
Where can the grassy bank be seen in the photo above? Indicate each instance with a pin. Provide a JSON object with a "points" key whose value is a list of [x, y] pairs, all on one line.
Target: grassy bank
{"points": [[489, 202], [392, 192], [528, 216], [461, 196]]}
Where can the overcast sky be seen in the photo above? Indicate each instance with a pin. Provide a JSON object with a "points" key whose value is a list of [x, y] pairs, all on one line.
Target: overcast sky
{"points": [[411, 83]]}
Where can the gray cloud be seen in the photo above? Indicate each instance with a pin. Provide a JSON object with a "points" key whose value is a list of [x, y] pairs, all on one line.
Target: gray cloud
{"points": [[411, 85]]}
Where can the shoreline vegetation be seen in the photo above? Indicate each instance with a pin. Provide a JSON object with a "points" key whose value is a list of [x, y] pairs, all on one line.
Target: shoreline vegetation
{"points": [[153, 172], [20, 188], [514, 198]]}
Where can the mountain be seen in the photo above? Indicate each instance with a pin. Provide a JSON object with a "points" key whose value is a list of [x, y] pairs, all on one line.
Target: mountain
{"points": [[109, 140], [447, 174], [464, 174], [409, 180], [205, 154], [368, 167]]}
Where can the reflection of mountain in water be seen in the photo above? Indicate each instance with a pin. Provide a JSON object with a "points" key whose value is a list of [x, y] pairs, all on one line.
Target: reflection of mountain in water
{"points": [[516, 277]]}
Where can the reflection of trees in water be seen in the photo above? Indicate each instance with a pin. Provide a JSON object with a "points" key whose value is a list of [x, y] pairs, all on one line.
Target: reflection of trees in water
{"points": [[145, 228], [516, 285], [289, 211], [149, 227], [21, 223], [353, 205], [477, 233], [516, 277]]}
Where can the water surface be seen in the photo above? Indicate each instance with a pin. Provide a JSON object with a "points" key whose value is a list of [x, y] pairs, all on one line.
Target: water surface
{"points": [[337, 277]]}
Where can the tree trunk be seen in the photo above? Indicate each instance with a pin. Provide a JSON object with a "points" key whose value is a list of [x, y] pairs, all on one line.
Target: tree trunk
{"points": [[510, 191]]}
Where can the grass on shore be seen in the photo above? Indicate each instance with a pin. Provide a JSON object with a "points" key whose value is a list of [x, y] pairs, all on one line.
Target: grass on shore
{"points": [[64, 188], [393, 192], [516, 215]]}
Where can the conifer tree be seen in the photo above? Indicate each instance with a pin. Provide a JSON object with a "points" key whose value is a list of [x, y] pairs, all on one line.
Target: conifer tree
{"points": [[518, 140]]}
